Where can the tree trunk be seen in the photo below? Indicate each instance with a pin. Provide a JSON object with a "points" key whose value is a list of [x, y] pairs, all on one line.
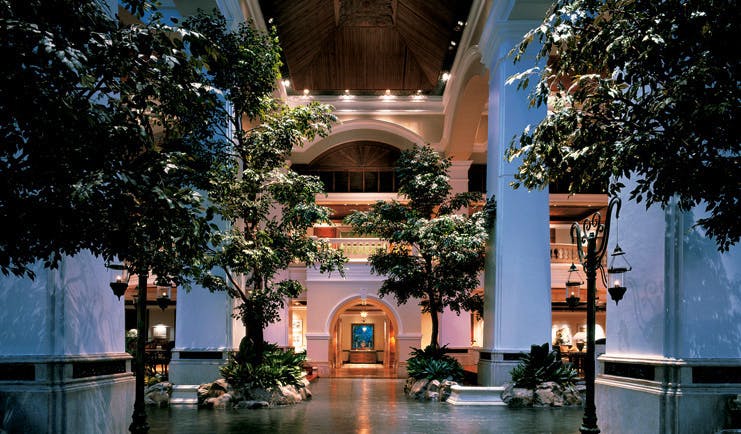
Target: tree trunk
{"points": [[254, 333], [435, 320]]}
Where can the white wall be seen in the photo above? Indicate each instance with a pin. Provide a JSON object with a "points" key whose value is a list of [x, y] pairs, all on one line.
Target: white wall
{"points": [[71, 310]]}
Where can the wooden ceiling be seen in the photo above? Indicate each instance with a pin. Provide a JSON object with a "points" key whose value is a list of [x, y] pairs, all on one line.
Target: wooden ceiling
{"points": [[367, 45]]}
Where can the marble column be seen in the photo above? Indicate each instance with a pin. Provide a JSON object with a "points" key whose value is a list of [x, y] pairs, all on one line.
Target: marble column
{"points": [[673, 349], [63, 368], [517, 307], [203, 336], [455, 330]]}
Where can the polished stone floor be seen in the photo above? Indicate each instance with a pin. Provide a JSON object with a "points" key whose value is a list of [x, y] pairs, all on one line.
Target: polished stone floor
{"points": [[365, 405]]}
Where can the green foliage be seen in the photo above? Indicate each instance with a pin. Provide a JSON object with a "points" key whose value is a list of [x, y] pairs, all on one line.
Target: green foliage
{"points": [[267, 207], [105, 132], [643, 90], [433, 363], [540, 366], [435, 255], [277, 368]]}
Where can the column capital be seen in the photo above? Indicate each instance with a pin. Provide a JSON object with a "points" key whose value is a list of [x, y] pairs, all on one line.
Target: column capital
{"points": [[507, 23]]}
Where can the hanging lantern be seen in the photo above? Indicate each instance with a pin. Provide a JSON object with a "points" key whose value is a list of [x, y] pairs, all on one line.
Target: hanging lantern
{"points": [[573, 287], [163, 300], [119, 278], [619, 265]]}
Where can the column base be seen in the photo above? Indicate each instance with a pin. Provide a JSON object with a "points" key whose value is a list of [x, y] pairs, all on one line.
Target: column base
{"points": [[494, 367], [196, 366], [666, 395], [66, 394]]}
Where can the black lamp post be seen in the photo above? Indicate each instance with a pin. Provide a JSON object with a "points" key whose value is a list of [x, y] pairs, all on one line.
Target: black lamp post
{"points": [[139, 417], [591, 238], [119, 283]]}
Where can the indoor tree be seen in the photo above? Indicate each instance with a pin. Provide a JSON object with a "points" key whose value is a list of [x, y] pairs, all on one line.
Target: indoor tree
{"points": [[643, 90], [267, 207], [434, 254], [105, 130]]}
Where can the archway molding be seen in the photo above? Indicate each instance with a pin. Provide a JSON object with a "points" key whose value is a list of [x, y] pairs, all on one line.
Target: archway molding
{"points": [[465, 102], [353, 299], [360, 129]]}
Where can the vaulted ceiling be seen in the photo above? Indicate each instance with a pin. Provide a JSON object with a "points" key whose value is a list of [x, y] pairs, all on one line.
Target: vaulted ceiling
{"points": [[367, 46]]}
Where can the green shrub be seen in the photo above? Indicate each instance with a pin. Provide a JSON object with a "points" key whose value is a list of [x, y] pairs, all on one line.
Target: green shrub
{"points": [[279, 368], [433, 364], [540, 366]]}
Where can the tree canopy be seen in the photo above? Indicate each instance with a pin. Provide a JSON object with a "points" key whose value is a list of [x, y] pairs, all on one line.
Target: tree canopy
{"points": [[105, 131], [269, 208], [644, 90], [435, 255]]}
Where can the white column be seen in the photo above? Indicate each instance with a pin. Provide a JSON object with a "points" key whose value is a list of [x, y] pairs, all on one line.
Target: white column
{"points": [[458, 173], [455, 330], [517, 310], [673, 348], [203, 336], [62, 351]]}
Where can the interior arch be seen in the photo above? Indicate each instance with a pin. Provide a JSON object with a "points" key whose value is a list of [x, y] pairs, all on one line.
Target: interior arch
{"points": [[348, 313]]}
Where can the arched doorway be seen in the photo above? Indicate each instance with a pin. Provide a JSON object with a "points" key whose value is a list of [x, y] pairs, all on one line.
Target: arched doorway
{"points": [[362, 339]]}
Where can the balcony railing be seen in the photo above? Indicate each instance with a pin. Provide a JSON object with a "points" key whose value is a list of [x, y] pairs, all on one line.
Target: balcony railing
{"points": [[361, 248], [563, 253], [358, 248]]}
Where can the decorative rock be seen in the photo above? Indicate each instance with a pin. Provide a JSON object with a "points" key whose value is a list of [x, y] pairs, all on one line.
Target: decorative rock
{"points": [[434, 386], [221, 401], [548, 394], [220, 394], [445, 389], [418, 388], [432, 396], [252, 404], [158, 394], [220, 384], [290, 394]]}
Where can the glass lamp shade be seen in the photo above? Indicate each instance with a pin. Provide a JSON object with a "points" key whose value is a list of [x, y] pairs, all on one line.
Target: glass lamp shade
{"points": [[163, 300], [573, 287], [619, 265], [119, 278]]}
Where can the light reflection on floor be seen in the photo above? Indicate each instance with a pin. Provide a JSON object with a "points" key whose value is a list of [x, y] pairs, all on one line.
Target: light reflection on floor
{"points": [[354, 405]]}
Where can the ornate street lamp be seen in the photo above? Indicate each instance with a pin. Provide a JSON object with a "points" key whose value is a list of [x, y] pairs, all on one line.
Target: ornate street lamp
{"points": [[139, 423], [573, 287], [119, 281], [591, 238]]}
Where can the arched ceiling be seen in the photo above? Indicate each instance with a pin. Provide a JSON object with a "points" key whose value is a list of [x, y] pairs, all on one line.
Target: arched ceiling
{"points": [[367, 45], [359, 154]]}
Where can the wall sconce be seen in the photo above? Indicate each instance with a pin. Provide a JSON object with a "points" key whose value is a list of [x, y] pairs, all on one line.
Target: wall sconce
{"points": [[119, 278], [363, 315]]}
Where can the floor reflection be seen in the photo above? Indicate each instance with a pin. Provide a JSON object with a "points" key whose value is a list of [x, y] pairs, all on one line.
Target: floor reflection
{"points": [[353, 405]]}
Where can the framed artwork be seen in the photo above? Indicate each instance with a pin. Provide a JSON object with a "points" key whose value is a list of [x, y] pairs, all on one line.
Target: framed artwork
{"points": [[362, 336]]}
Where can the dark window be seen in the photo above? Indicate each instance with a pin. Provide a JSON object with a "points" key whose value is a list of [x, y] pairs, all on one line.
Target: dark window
{"points": [[477, 178], [371, 182], [340, 183], [356, 182], [386, 182]]}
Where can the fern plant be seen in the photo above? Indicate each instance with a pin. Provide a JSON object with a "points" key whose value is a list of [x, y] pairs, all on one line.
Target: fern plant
{"points": [[278, 368], [541, 366], [432, 363]]}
